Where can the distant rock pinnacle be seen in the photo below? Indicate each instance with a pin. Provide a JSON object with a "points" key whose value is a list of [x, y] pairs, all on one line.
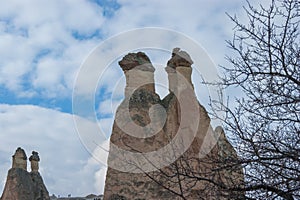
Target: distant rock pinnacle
{"points": [[24, 185]]}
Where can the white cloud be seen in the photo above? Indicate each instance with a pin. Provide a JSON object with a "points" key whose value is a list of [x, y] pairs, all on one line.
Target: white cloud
{"points": [[100, 181], [108, 106], [34, 26], [100, 154], [105, 126], [31, 27], [204, 21]]}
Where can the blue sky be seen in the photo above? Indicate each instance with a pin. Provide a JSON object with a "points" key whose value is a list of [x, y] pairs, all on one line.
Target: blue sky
{"points": [[42, 46]]}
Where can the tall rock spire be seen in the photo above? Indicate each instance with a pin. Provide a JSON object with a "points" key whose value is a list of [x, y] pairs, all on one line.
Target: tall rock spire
{"points": [[185, 120], [22, 185], [34, 161]]}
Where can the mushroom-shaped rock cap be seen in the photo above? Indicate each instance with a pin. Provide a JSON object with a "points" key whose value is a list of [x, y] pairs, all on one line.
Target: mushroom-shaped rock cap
{"points": [[34, 156], [136, 60], [180, 58], [20, 153]]}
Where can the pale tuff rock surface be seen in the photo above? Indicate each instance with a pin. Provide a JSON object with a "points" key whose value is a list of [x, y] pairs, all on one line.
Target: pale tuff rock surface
{"points": [[23, 185], [133, 132], [34, 160], [19, 159]]}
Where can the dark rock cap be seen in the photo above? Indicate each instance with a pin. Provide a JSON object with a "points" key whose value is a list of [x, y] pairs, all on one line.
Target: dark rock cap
{"points": [[180, 58], [34, 156], [22, 152], [136, 60]]}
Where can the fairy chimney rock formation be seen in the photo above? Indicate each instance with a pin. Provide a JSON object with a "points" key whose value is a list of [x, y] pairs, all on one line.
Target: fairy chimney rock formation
{"points": [[179, 69], [21, 184], [139, 72], [19, 159], [34, 161], [147, 125]]}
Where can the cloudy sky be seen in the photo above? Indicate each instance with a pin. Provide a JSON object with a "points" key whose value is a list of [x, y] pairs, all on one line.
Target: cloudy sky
{"points": [[44, 43]]}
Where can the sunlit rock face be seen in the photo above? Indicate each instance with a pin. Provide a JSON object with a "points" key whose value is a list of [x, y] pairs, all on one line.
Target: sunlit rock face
{"points": [[147, 125], [21, 184]]}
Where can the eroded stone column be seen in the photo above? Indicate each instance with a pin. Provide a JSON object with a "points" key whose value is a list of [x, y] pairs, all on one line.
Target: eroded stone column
{"points": [[34, 161], [179, 70], [183, 115], [186, 72], [139, 72], [172, 77], [19, 159]]}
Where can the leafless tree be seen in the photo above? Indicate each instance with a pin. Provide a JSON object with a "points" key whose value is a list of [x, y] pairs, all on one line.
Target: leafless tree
{"points": [[263, 123], [264, 120]]}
